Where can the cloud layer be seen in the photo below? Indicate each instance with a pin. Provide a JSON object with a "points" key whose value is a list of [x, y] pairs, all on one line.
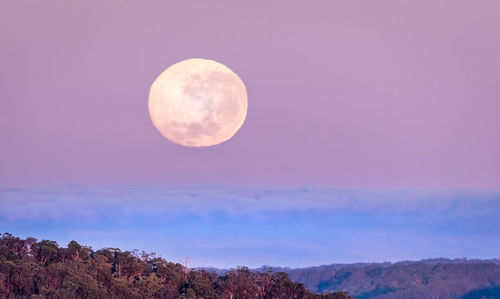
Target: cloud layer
{"points": [[255, 225]]}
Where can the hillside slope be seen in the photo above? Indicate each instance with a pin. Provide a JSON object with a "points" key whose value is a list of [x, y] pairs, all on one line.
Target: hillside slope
{"points": [[437, 278]]}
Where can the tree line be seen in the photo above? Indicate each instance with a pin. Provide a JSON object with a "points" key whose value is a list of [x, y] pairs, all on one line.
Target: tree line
{"points": [[42, 269]]}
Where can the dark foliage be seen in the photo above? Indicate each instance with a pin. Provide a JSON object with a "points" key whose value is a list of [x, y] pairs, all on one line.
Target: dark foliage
{"points": [[32, 269], [486, 293]]}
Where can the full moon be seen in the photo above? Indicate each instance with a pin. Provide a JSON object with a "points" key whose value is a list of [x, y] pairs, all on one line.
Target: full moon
{"points": [[198, 102]]}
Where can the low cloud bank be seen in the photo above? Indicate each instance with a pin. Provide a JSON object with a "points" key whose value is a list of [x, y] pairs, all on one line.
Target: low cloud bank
{"points": [[88, 202], [227, 226]]}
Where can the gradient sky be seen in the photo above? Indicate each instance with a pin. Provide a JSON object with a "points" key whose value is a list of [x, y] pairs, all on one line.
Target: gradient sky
{"points": [[372, 134], [364, 94]]}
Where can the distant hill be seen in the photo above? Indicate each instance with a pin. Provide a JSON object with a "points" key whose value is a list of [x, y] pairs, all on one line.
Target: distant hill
{"points": [[430, 278]]}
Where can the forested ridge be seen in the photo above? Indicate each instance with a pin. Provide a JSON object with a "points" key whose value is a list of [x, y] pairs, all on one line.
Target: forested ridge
{"points": [[431, 278], [42, 269]]}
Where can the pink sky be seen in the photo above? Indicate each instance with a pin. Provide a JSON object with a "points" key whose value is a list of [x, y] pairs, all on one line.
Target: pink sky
{"points": [[368, 94]]}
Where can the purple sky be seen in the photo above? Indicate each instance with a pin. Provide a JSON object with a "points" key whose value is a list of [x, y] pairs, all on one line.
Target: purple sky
{"points": [[371, 94]]}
